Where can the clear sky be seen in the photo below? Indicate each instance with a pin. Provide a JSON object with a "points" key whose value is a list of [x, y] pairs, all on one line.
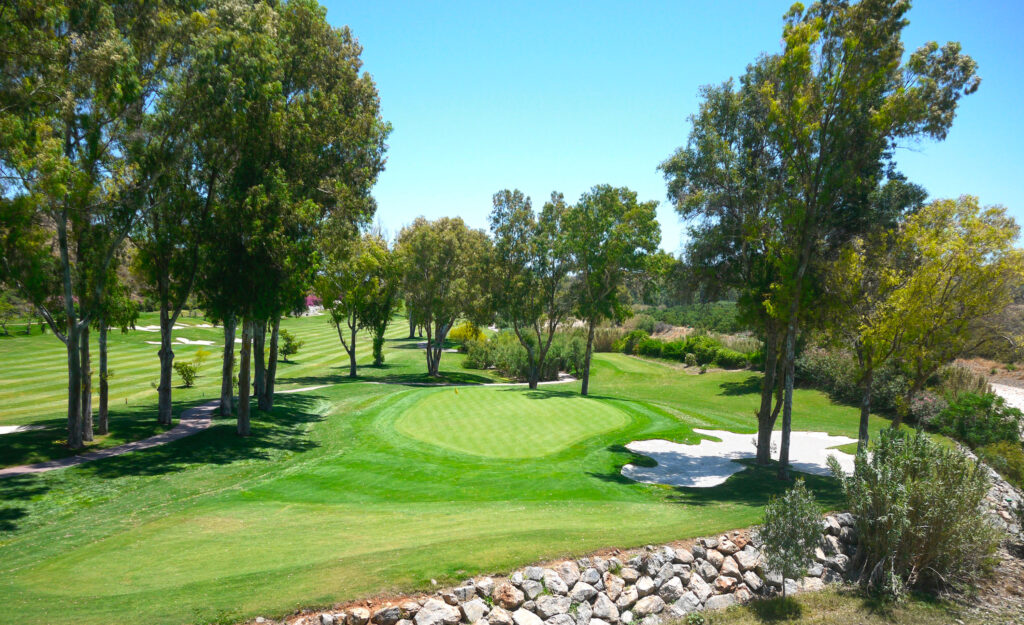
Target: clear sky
{"points": [[545, 96]]}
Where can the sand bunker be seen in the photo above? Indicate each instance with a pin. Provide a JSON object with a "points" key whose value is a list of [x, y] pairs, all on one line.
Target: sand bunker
{"points": [[184, 341], [709, 463], [10, 429]]}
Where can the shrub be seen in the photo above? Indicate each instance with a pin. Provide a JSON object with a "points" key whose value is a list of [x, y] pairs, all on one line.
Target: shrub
{"points": [[479, 354], [690, 359], [640, 322], [980, 420], [290, 345], [676, 350], [729, 359], [702, 346], [187, 372], [791, 531], [649, 347], [466, 331], [925, 407], [835, 372], [605, 339], [1007, 458], [956, 379], [567, 353], [631, 340], [921, 523], [507, 355], [710, 317]]}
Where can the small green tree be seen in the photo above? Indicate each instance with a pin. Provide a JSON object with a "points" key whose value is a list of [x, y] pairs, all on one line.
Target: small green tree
{"points": [[187, 371], [290, 345], [791, 530]]}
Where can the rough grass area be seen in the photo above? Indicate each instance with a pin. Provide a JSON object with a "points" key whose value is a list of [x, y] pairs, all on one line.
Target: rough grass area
{"points": [[361, 488]]}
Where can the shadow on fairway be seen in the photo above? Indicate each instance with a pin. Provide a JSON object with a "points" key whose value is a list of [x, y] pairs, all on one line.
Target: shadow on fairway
{"points": [[283, 430], [540, 393], [12, 489], [749, 386]]}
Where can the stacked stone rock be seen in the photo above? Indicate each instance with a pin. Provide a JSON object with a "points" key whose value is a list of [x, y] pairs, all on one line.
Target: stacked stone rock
{"points": [[1002, 499], [655, 585]]}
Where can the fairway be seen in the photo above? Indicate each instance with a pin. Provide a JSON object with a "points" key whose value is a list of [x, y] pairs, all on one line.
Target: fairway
{"points": [[507, 423], [358, 487]]}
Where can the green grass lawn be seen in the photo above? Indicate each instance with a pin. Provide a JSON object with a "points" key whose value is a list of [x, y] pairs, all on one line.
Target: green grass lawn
{"points": [[356, 488]]}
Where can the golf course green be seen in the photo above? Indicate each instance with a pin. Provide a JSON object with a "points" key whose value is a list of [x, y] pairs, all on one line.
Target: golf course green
{"points": [[363, 486]]}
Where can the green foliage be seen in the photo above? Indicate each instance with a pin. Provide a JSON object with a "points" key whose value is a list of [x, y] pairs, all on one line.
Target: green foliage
{"points": [[709, 317], [695, 618], [835, 372], [729, 359], [466, 331], [506, 354], [187, 371], [290, 344], [1007, 458], [631, 340], [607, 339], [980, 420], [649, 347], [690, 359], [955, 379], [642, 321], [790, 531], [921, 522]]}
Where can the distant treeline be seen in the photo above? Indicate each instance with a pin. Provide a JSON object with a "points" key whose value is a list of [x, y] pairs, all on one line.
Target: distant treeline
{"points": [[711, 316]]}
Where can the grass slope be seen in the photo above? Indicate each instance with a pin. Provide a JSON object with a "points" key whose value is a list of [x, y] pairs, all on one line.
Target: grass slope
{"points": [[359, 488]]}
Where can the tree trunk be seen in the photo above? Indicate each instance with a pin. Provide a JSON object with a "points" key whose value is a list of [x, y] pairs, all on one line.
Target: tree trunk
{"points": [[586, 358], [166, 354], [243, 378], [74, 388], [87, 434], [259, 341], [227, 374], [787, 401], [352, 350], [765, 416], [267, 399], [412, 327], [103, 424], [865, 410]]}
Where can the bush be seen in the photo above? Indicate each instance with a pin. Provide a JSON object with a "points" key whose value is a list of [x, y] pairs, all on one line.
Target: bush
{"points": [[631, 340], [690, 359], [955, 379], [479, 354], [649, 347], [187, 371], [710, 317], [290, 345], [605, 339], [921, 522], [507, 355], [729, 359], [791, 531], [703, 347], [835, 372], [466, 331], [1007, 458], [676, 350], [925, 407], [980, 420], [640, 322]]}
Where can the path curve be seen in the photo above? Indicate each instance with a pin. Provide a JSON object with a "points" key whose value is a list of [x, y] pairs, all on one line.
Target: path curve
{"points": [[195, 420]]}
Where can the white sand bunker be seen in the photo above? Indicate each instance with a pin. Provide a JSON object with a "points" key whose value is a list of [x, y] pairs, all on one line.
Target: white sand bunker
{"points": [[11, 429], [176, 326], [184, 341], [709, 463]]}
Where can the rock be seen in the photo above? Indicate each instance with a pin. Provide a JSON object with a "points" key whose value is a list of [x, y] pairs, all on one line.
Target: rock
{"points": [[569, 572], [665, 573], [629, 575], [715, 558], [727, 547], [326, 619], [560, 619], [752, 580], [584, 563], [652, 564], [815, 569], [600, 564], [651, 619], [848, 535], [409, 608], [731, 568], [554, 583], [628, 597], [699, 552], [725, 584], [582, 592], [583, 613], [625, 617], [473, 610], [534, 572], [748, 558], [683, 556], [591, 576], [524, 617], [820, 556], [532, 589], [499, 616], [464, 593], [644, 586], [709, 543], [649, 605], [831, 526], [668, 554], [516, 578], [597, 621], [791, 586], [635, 562], [449, 598], [682, 571], [772, 578], [689, 602], [387, 616], [831, 545], [506, 596], [614, 564], [613, 585], [530, 606], [604, 608], [812, 584], [700, 588], [720, 602], [845, 519], [405, 621], [550, 605], [485, 586], [436, 612], [743, 594], [831, 576], [360, 616], [839, 562], [671, 590], [706, 570]]}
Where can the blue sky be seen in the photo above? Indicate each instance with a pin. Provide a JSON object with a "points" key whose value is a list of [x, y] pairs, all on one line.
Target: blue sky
{"points": [[545, 96]]}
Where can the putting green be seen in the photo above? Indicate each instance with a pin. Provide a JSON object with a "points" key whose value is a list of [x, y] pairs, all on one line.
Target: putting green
{"points": [[507, 422]]}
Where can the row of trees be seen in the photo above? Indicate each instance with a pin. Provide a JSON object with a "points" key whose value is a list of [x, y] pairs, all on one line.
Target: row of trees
{"points": [[205, 143], [790, 181], [537, 270]]}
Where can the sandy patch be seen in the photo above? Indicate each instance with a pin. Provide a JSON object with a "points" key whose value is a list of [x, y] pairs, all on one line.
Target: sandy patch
{"points": [[11, 429], [184, 341], [1013, 395], [448, 350], [176, 326], [709, 463]]}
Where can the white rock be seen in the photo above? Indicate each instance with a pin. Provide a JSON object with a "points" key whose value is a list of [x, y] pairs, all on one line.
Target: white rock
{"points": [[671, 590], [361, 616], [730, 568], [719, 602], [560, 619], [473, 610], [583, 613], [604, 608], [649, 605], [525, 617], [644, 586], [464, 593], [535, 573], [688, 603], [550, 605], [569, 572], [499, 616], [436, 612], [700, 588], [751, 579], [582, 592], [485, 586], [613, 585], [748, 558], [554, 583], [627, 598], [532, 589]]}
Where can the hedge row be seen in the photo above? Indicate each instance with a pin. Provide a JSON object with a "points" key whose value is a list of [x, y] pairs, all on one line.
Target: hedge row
{"points": [[698, 349]]}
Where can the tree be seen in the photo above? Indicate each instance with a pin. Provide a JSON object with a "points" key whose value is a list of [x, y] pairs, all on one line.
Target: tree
{"points": [[790, 532], [291, 345], [961, 269], [344, 287], [530, 268], [7, 310], [383, 281], [608, 233], [118, 311], [444, 277]]}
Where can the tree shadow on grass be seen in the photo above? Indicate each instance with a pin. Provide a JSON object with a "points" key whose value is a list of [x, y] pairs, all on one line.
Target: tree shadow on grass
{"points": [[776, 609], [748, 386], [540, 393], [280, 431], [12, 489]]}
